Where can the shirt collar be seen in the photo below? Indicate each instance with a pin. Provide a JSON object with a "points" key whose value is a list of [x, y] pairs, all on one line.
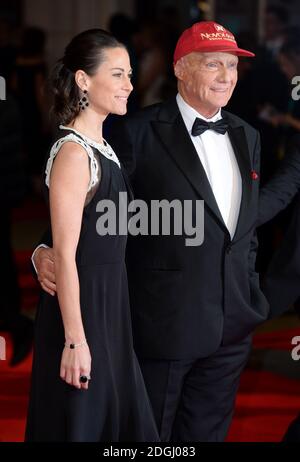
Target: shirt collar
{"points": [[189, 114]]}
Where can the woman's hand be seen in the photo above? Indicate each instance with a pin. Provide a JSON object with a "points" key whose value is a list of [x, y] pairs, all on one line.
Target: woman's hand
{"points": [[74, 363]]}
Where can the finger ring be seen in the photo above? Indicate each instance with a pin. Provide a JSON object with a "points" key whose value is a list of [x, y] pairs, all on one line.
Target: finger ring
{"points": [[84, 378]]}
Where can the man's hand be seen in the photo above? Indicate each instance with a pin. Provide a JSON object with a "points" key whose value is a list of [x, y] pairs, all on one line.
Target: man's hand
{"points": [[44, 263]]}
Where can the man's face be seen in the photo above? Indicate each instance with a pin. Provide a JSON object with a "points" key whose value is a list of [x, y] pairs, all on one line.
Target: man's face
{"points": [[206, 80]]}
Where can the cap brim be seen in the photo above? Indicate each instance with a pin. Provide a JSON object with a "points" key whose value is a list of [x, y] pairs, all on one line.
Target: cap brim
{"points": [[234, 51]]}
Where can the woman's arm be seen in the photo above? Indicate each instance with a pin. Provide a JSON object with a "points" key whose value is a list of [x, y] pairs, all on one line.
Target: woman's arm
{"points": [[68, 188]]}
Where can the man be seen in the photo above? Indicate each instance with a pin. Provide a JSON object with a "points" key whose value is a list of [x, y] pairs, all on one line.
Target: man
{"points": [[193, 308]]}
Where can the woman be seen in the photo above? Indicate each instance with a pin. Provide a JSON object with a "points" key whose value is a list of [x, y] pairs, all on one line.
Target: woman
{"points": [[86, 382]]}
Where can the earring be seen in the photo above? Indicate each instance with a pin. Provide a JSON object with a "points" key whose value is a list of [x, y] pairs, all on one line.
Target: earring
{"points": [[83, 102]]}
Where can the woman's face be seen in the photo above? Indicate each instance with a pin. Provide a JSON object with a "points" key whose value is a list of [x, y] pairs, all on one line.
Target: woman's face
{"points": [[109, 88]]}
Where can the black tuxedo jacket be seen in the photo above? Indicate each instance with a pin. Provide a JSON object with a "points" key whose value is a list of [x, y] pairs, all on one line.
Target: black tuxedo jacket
{"points": [[186, 301]]}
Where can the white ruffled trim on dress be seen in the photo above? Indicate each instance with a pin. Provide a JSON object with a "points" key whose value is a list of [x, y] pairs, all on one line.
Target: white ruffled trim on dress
{"points": [[105, 149], [75, 139]]}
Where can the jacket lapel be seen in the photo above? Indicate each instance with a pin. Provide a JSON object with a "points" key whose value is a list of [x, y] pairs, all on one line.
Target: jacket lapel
{"points": [[240, 146], [173, 134]]}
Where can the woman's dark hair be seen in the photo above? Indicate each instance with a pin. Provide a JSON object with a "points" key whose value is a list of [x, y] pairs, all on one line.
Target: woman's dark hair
{"points": [[85, 52]]}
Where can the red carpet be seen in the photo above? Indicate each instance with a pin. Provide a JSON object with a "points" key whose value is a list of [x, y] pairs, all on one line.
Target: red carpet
{"points": [[31, 210], [280, 340], [14, 383], [14, 388], [266, 405], [266, 402]]}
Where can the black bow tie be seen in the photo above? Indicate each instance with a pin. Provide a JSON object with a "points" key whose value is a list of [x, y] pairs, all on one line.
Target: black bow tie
{"points": [[200, 126]]}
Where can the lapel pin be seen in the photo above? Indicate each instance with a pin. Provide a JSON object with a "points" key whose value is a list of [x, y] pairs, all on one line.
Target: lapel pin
{"points": [[254, 175]]}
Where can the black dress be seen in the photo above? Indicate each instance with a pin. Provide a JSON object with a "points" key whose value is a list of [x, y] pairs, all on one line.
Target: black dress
{"points": [[116, 406]]}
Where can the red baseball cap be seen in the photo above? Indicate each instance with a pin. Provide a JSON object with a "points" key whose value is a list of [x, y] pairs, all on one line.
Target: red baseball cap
{"points": [[205, 37]]}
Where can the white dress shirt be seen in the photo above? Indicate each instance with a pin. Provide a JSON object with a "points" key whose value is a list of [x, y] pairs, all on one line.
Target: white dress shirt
{"points": [[219, 162]]}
